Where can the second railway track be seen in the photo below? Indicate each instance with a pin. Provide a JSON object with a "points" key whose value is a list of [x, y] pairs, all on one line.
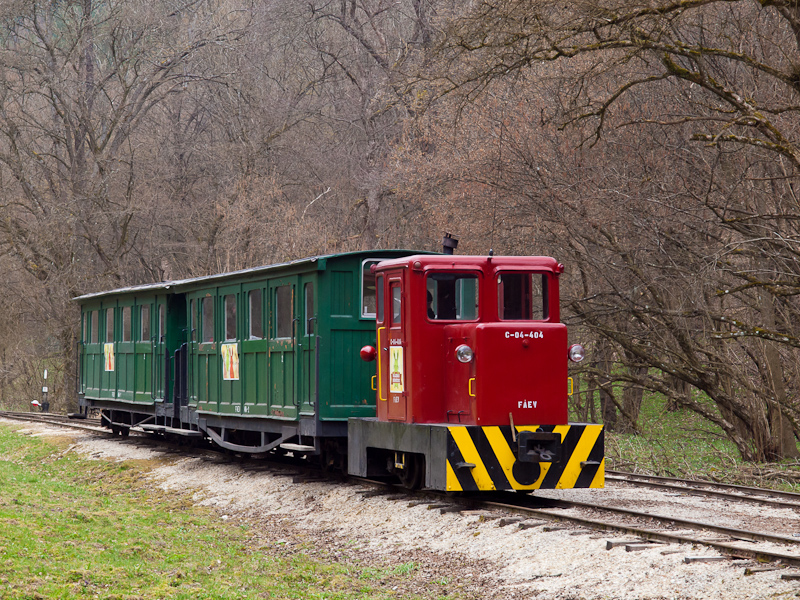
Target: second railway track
{"points": [[726, 491]]}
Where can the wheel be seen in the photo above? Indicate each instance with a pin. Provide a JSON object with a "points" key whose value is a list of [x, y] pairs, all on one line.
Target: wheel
{"points": [[413, 475], [333, 457]]}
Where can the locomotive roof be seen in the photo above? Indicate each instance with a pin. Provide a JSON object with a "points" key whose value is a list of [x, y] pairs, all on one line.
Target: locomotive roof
{"points": [[178, 283], [479, 261]]}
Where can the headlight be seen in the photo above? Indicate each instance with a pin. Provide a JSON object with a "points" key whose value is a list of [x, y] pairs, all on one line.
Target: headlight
{"points": [[464, 353], [576, 353]]}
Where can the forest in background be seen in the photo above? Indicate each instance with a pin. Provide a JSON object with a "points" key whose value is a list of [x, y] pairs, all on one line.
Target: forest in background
{"points": [[652, 147]]}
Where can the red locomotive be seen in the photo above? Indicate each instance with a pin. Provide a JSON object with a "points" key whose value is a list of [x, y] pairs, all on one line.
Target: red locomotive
{"points": [[471, 379]]}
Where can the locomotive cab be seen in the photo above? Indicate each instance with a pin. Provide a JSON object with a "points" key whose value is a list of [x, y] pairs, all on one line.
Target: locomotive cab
{"points": [[471, 378]]}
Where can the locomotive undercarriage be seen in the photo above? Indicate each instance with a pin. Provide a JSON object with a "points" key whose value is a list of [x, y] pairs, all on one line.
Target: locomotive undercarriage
{"points": [[474, 458]]}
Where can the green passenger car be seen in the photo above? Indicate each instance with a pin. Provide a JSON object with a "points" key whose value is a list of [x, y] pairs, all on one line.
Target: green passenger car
{"points": [[257, 360]]}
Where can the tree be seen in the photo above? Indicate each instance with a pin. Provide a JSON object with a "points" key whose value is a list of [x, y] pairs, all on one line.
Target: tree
{"points": [[721, 74], [369, 46], [643, 220], [78, 80]]}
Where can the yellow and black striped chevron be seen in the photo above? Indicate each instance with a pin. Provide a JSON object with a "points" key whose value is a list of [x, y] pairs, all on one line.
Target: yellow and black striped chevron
{"points": [[489, 458]]}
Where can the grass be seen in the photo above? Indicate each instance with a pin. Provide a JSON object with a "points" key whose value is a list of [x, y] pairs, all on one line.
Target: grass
{"points": [[75, 528], [673, 442]]}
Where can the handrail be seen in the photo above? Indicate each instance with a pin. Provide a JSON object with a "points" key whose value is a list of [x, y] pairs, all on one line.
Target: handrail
{"points": [[380, 361]]}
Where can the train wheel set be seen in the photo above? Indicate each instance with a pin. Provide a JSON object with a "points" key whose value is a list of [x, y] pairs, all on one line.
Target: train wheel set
{"points": [[441, 371]]}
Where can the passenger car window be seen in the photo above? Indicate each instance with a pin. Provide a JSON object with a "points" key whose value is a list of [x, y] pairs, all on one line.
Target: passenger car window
{"points": [[256, 315], [144, 319], [452, 296], [208, 320], [126, 323], [309, 298], [94, 328], [230, 317], [283, 311], [193, 312], [109, 325], [522, 296], [368, 292]]}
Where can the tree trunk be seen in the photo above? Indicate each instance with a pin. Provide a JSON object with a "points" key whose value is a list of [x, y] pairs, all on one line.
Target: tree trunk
{"points": [[681, 392], [69, 348], [579, 408], [3, 380], [781, 443], [591, 388], [369, 234], [632, 397], [607, 405]]}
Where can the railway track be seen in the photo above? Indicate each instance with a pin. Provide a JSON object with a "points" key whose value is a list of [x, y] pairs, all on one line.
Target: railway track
{"points": [[652, 527], [532, 511], [647, 528], [93, 425], [726, 491]]}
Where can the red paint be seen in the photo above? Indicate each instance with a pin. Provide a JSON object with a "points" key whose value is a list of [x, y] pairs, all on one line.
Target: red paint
{"points": [[519, 365]]}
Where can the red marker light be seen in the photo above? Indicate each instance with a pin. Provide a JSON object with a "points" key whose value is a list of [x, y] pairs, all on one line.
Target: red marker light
{"points": [[368, 353]]}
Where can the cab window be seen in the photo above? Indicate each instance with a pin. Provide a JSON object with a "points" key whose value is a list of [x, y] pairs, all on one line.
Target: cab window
{"points": [[522, 296], [397, 304], [452, 296]]}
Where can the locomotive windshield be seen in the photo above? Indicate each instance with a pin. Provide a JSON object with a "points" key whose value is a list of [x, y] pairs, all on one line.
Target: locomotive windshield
{"points": [[522, 296], [452, 296]]}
